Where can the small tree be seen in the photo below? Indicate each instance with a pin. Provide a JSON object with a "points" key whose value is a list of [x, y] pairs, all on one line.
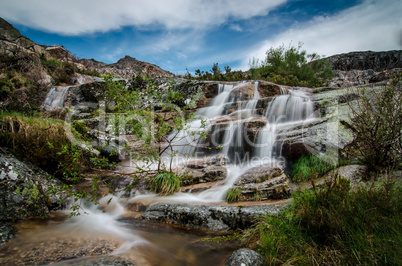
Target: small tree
{"points": [[377, 125], [143, 112]]}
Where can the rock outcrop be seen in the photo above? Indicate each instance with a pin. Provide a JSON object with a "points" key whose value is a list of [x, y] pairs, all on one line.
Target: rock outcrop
{"points": [[360, 68], [211, 217], [24, 190]]}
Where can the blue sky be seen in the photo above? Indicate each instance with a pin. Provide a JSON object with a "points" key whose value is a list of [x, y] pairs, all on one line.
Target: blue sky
{"points": [[192, 34]]}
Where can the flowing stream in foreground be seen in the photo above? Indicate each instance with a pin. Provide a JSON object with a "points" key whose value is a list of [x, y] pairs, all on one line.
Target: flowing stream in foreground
{"points": [[108, 230]]}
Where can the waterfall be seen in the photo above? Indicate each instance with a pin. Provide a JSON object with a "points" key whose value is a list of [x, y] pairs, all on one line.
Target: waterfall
{"points": [[284, 109], [55, 98], [235, 127]]}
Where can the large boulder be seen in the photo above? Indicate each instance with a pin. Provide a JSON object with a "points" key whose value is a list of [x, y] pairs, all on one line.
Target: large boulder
{"points": [[246, 257], [211, 217], [262, 183]]}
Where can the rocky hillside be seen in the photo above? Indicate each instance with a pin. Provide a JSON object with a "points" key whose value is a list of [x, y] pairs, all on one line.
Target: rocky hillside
{"points": [[126, 67], [359, 68], [28, 70]]}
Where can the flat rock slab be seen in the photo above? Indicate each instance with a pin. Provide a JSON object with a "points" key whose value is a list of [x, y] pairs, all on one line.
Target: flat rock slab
{"points": [[211, 217]]}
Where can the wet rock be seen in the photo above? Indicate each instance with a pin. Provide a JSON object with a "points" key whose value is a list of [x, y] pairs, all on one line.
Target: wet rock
{"points": [[268, 89], [104, 261], [203, 171], [211, 217], [23, 190], [7, 232], [324, 133], [245, 257], [262, 183], [242, 92]]}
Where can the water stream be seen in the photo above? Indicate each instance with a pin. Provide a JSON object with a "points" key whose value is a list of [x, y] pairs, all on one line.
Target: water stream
{"points": [[103, 231]]}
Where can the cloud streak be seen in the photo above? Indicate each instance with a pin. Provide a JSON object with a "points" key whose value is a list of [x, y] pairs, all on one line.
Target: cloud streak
{"points": [[77, 17]]}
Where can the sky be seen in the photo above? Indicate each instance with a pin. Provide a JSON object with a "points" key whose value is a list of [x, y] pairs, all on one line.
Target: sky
{"points": [[181, 35]]}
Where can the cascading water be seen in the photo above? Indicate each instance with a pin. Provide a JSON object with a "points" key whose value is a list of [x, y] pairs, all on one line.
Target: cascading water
{"points": [[284, 109], [229, 125], [55, 97]]}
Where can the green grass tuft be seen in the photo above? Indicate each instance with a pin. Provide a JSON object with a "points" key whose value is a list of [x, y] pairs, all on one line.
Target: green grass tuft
{"points": [[165, 183], [309, 167], [233, 195]]}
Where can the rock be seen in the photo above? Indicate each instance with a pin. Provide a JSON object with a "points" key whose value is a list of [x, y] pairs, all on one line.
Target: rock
{"points": [[262, 183], [325, 133], [242, 92], [7, 232], [246, 257], [23, 190], [359, 68], [268, 89], [377, 61], [202, 171], [211, 217], [354, 173]]}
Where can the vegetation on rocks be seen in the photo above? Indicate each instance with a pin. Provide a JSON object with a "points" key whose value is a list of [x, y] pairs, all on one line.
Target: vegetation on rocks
{"points": [[292, 66], [282, 65]]}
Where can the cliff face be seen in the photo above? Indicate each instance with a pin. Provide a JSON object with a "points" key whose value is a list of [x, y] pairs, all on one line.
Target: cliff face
{"points": [[377, 61], [359, 68]]}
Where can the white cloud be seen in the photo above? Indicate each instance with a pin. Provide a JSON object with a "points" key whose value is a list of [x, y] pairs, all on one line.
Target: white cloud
{"points": [[373, 25], [236, 27], [75, 17]]}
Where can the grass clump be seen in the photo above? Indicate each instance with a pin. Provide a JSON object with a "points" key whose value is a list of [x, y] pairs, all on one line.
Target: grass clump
{"points": [[165, 183], [233, 195], [309, 167], [334, 225]]}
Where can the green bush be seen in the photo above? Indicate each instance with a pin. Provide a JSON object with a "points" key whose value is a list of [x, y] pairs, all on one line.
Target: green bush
{"points": [[292, 66], [233, 195], [377, 125], [333, 225], [165, 183], [309, 167]]}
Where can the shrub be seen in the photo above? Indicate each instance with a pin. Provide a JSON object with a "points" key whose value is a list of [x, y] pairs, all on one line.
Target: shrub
{"points": [[165, 183], [233, 195], [291, 66], [309, 167], [377, 126]]}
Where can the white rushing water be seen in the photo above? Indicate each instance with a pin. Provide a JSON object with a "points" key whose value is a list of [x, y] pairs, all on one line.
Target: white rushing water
{"points": [[56, 97]]}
